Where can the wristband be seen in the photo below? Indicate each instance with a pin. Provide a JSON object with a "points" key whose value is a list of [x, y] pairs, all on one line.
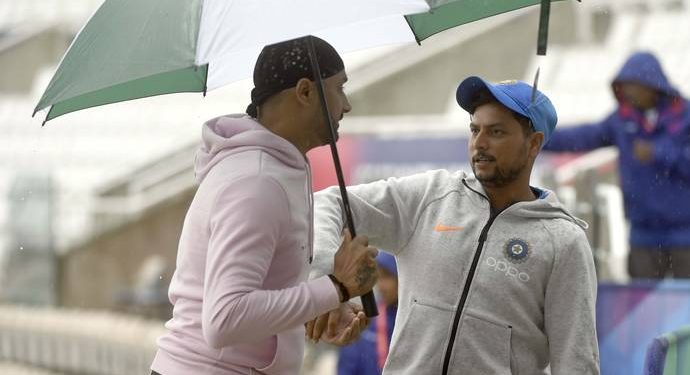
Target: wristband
{"points": [[343, 290]]}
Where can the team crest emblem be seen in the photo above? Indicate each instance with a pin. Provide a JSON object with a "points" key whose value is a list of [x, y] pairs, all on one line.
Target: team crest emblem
{"points": [[517, 250]]}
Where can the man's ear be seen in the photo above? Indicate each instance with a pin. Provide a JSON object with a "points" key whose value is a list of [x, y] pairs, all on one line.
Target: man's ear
{"points": [[304, 91], [535, 142]]}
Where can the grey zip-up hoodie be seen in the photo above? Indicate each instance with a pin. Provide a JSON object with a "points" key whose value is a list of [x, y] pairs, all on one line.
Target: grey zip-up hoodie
{"points": [[510, 294]]}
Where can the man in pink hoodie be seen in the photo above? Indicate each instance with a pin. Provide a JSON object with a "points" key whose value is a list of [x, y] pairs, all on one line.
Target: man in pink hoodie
{"points": [[240, 291]]}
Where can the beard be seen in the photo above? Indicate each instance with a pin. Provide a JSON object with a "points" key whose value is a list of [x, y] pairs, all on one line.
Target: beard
{"points": [[325, 132], [502, 176]]}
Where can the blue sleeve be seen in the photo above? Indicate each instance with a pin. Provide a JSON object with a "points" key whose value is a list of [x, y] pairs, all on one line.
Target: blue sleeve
{"points": [[582, 137]]}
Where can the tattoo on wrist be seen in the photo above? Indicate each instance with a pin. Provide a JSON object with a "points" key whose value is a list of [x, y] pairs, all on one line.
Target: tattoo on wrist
{"points": [[364, 275]]}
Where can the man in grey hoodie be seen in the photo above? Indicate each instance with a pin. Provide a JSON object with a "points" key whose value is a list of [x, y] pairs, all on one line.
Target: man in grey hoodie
{"points": [[496, 277]]}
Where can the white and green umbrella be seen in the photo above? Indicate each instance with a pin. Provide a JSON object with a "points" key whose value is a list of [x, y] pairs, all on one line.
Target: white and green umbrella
{"points": [[131, 49]]}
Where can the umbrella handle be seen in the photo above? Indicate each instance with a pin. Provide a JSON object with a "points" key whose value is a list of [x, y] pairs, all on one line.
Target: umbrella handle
{"points": [[368, 300]]}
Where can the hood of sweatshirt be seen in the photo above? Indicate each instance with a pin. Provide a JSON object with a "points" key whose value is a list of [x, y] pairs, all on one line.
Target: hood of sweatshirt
{"points": [[226, 135], [643, 68], [546, 206]]}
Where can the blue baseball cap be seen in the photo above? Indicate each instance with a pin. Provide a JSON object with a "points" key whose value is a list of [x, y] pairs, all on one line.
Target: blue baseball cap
{"points": [[517, 96]]}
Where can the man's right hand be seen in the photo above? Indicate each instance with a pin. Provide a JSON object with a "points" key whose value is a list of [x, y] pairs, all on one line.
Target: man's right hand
{"points": [[354, 264], [341, 326]]}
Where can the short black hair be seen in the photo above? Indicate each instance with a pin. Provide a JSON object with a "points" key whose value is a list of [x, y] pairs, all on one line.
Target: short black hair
{"points": [[485, 97]]}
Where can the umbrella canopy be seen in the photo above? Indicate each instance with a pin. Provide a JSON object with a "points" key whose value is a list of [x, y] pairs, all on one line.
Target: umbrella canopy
{"points": [[446, 14], [131, 49]]}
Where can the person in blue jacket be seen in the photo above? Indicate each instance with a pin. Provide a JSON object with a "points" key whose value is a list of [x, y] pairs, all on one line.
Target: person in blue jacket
{"points": [[368, 355], [651, 128]]}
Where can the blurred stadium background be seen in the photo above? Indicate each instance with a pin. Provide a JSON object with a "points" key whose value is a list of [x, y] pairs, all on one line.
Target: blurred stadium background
{"points": [[91, 205]]}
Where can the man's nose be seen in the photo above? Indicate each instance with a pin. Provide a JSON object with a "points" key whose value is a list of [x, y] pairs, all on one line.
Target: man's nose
{"points": [[347, 107], [480, 141]]}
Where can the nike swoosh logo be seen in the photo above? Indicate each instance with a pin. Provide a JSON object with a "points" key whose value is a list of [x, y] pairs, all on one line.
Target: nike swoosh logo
{"points": [[445, 228]]}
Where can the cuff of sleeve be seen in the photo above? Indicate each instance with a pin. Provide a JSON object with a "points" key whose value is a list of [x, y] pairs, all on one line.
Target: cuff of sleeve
{"points": [[325, 295]]}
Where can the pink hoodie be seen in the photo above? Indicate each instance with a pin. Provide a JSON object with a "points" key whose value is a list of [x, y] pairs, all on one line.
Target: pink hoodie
{"points": [[240, 290]]}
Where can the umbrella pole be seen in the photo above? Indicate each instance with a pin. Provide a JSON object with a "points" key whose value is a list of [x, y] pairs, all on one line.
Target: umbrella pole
{"points": [[543, 33], [368, 301]]}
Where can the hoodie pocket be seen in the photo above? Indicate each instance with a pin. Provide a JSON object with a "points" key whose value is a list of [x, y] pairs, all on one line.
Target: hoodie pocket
{"points": [[288, 354], [419, 340], [482, 347]]}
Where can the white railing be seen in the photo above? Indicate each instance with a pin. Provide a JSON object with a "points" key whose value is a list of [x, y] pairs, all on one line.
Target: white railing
{"points": [[7, 368], [77, 342], [615, 256], [581, 185]]}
